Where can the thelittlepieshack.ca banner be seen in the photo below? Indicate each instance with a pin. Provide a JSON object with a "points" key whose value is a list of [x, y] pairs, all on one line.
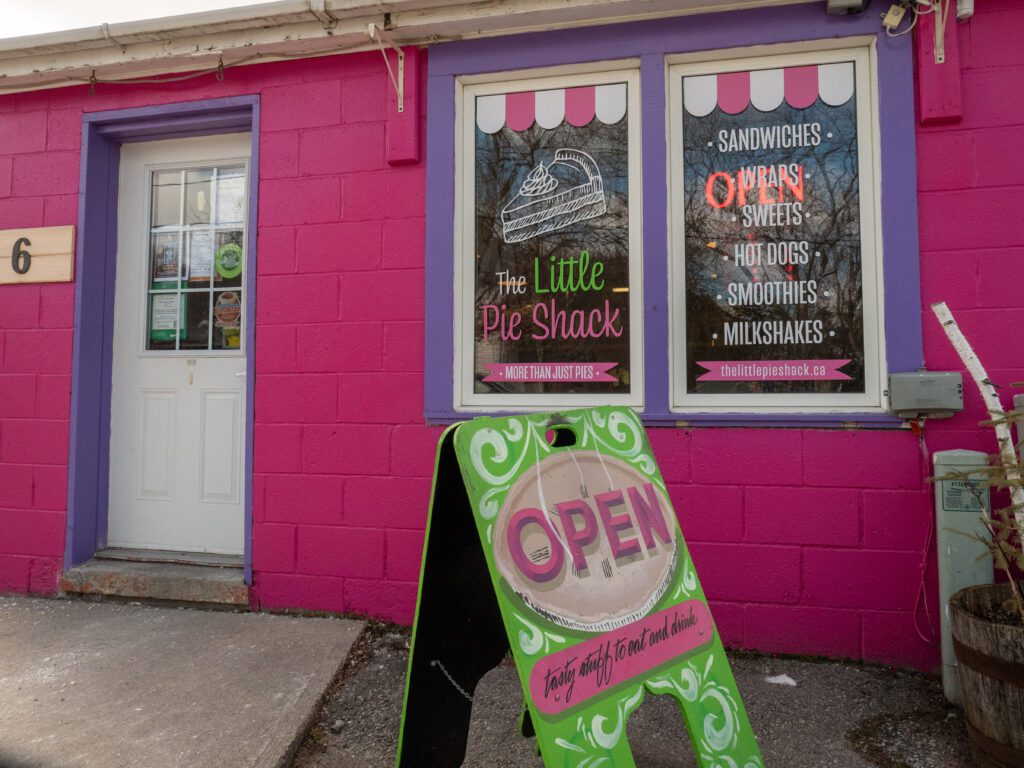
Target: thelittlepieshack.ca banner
{"points": [[772, 221]]}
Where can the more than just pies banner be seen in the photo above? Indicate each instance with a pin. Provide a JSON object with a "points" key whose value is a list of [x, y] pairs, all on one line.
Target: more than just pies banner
{"points": [[553, 536]]}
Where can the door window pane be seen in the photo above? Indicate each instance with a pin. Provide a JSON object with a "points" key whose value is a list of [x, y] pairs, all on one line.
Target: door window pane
{"points": [[166, 198], [200, 258], [166, 261], [227, 320], [231, 195], [198, 202], [196, 320], [164, 320], [229, 258]]}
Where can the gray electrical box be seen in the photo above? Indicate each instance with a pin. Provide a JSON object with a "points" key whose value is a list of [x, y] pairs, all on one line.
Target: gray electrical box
{"points": [[926, 394]]}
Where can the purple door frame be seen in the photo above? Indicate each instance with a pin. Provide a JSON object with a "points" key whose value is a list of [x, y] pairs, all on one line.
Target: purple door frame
{"points": [[103, 133]]}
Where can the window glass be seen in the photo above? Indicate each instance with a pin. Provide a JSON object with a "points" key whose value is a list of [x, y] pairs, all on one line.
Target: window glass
{"points": [[166, 207], [773, 272], [548, 255]]}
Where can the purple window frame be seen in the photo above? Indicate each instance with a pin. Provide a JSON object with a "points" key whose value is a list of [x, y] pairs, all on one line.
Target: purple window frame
{"points": [[103, 133], [651, 42]]}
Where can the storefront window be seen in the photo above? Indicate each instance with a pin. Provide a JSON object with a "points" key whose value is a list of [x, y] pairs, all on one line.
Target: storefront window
{"points": [[549, 258], [773, 172], [774, 263]]}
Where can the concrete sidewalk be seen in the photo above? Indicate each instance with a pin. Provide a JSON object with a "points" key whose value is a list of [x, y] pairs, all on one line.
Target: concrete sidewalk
{"points": [[94, 684]]}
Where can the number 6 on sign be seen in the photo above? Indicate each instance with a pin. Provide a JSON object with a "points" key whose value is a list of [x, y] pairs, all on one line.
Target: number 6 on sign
{"points": [[37, 255], [21, 260]]}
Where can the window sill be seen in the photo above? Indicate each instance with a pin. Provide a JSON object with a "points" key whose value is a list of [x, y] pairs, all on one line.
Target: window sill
{"points": [[697, 420]]}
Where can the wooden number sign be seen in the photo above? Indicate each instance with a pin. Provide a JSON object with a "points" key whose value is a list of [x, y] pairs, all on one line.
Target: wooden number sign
{"points": [[37, 255], [554, 534]]}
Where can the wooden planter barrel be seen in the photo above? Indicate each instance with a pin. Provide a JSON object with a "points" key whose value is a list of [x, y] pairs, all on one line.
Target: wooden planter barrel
{"points": [[990, 659]]}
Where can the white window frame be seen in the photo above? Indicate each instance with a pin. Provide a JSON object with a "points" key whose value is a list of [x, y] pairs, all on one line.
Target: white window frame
{"points": [[467, 89], [869, 160], [144, 317]]}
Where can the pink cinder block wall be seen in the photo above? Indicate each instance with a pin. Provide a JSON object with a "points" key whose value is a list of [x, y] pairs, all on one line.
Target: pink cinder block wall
{"points": [[341, 451], [38, 187], [806, 540]]}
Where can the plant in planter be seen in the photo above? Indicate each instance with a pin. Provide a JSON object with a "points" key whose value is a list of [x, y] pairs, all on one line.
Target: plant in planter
{"points": [[987, 621]]}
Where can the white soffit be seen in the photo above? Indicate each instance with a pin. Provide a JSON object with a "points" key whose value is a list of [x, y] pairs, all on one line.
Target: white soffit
{"points": [[289, 28]]}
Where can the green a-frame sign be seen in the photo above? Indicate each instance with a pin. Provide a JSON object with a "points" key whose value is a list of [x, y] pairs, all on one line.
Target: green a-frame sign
{"points": [[553, 535]]}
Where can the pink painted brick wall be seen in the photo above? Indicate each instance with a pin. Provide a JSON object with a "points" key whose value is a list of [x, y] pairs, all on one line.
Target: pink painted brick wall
{"points": [[807, 540], [800, 534], [339, 490]]}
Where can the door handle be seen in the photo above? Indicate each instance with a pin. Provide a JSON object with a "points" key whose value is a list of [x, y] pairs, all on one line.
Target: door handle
{"points": [[241, 373]]}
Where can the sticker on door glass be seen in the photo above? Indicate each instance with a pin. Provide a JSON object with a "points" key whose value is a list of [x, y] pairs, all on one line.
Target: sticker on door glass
{"points": [[163, 316], [229, 260], [200, 256], [165, 261]]}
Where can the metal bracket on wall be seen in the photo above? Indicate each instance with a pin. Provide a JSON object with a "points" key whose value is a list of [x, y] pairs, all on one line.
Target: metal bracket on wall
{"points": [[381, 38], [941, 11], [939, 91]]}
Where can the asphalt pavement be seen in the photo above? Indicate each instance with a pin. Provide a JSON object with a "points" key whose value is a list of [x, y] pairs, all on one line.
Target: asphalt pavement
{"points": [[842, 715]]}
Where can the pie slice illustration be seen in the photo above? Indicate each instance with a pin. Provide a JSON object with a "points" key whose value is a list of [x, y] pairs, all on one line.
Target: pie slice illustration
{"points": [[552, 197]]}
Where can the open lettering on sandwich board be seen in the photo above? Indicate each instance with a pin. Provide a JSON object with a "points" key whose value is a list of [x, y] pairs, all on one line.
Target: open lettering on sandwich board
{"points": [[567, 552], [548, 249], [772, 220]]}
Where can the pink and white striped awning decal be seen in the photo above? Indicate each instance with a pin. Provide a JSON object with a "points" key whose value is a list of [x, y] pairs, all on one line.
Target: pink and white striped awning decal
{"points": [[766, 88], [550, 108]]}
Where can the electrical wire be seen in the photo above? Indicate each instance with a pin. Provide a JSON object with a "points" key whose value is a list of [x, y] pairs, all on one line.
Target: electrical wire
{"points": [[922, 589], [921, 8]]}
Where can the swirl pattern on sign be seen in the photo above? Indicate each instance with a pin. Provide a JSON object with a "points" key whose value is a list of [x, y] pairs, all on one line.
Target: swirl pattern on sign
{"points": [[594, 744], [534, 640], [497, 456], [627, 440], [688, 580], [721, 726]]}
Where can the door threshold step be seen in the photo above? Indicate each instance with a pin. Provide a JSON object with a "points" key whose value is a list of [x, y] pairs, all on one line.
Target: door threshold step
{"points": [[158, 581], [169, 556]]}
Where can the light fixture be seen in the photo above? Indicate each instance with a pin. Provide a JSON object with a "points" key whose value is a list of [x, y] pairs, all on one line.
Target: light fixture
{"points": [[843, 7]]}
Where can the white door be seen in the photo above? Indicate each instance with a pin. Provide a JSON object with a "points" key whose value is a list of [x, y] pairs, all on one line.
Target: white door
{"points": [[178, 391]]}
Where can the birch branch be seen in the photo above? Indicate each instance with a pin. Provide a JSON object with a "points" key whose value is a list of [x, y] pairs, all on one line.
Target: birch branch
{"points": [[1007, 452]]}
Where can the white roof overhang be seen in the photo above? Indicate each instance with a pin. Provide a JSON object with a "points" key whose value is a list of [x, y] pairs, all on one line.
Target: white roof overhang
{"points": [[290, 28]]}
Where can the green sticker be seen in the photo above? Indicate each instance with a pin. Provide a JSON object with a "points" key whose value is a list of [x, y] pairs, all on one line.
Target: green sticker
{"points": [[229, 260]]}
